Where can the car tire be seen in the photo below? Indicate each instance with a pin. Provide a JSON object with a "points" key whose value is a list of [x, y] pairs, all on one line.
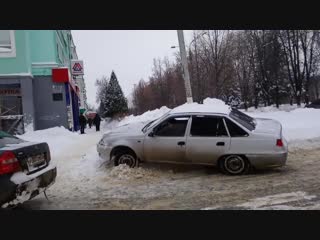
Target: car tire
{"points": [[234, 165], [126, 157]]}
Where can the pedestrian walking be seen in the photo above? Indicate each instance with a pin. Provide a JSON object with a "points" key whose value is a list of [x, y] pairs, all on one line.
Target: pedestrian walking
{"points": [[83, 122], [97, 121]]}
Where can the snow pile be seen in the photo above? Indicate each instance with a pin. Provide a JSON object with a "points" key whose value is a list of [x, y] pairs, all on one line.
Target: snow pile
{"points": [[299, 124], [133, 122], [59, 139], [145, 117], [209, 105], [29, 128], [273, 108]]}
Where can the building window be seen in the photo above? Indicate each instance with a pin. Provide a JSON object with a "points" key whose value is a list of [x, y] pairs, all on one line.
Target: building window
{"points": [[57, 97], [7, 43]]}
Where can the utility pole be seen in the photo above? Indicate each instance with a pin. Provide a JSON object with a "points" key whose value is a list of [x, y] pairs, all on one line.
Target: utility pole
{"points": [[184, 61]]}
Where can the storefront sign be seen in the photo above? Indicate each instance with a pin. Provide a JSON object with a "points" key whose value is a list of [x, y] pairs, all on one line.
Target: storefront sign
{"points": [[60, 75], [77, 67], [10, 92]]}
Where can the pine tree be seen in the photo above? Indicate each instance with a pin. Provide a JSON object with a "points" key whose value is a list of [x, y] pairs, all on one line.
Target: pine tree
{"points": [[102, 85], [114, 102]]}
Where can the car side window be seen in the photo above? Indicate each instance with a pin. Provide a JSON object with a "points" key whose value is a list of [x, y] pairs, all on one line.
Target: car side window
{"points": [[172, 127], [208, 126], [234, 129]]}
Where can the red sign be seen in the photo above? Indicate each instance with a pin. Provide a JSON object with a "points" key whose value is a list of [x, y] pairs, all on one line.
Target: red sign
{"points": [[60, 75]]}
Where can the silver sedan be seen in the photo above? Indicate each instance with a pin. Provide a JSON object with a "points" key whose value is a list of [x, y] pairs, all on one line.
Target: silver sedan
{"points": [[232, 141]]}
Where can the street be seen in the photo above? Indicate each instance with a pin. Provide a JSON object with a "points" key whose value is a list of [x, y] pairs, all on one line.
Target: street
{"points": [[93, 185]]}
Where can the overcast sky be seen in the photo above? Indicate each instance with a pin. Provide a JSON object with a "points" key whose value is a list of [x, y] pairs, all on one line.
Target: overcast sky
{"points": [[129, 53]]}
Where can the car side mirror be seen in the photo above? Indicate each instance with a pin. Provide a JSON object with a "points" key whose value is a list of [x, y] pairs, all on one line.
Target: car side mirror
{"points": [[151, 134]]}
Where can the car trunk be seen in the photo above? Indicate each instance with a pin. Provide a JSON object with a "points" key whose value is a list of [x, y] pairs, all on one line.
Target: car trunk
{"points": [[31, 156], [268, 126]]}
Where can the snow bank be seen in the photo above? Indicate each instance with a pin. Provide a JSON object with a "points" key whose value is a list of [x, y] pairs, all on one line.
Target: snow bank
{"points": [[273, 108], [298, 124], [29, 127], [131, 122], [145, 117], [59, 139]]}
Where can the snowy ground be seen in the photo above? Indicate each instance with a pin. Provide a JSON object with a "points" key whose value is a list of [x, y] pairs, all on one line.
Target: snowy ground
{"points": [[85, 182]]}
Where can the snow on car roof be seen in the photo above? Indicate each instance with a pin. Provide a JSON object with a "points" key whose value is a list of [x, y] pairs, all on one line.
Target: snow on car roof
{"points": [[210, 105]]}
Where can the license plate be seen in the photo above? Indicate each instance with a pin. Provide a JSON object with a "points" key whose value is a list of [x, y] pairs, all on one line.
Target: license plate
{"points": [[36, 162]]}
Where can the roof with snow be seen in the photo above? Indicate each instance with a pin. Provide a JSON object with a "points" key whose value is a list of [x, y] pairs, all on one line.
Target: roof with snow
{"points": [[210, 105]]}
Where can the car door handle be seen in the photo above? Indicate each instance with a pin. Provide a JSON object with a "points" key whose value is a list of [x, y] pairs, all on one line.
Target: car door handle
{"points": [[220, 143], [181, 143]]}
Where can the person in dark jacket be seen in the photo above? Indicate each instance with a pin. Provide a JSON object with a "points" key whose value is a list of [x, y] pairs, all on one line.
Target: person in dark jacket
{"points": [[83, 122], [97, 121], [90, 122]]}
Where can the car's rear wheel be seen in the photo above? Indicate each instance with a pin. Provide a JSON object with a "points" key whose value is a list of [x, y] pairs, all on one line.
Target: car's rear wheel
{"points": [[234, 165], [126, 157]]}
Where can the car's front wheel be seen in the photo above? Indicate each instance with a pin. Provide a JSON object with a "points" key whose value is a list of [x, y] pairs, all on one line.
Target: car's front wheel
{"points": [[235, 165], [126, 157]]}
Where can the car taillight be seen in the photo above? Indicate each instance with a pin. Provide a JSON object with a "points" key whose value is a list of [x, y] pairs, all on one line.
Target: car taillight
{"points": [[279, 143], [8, 163]]}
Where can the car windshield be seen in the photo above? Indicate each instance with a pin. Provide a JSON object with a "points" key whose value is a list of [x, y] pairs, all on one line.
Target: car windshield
{"points": [[145, 128], [245, 120], [6, 138]]}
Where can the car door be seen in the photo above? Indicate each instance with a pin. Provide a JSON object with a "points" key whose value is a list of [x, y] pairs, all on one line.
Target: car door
{"points": [[208, 139], [244, 143], [167, 141]]}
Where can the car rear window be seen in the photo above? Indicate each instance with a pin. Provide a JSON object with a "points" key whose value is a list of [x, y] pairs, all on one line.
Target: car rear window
{"points": [[6, 138], [243, 119], [234, 130]]}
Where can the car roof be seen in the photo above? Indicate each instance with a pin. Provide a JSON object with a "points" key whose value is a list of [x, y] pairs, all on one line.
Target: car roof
{"points": [[215, 108]]}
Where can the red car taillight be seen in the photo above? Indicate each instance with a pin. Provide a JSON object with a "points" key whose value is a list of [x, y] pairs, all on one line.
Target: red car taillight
{"points": [[9, 163], [279, 143]]}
